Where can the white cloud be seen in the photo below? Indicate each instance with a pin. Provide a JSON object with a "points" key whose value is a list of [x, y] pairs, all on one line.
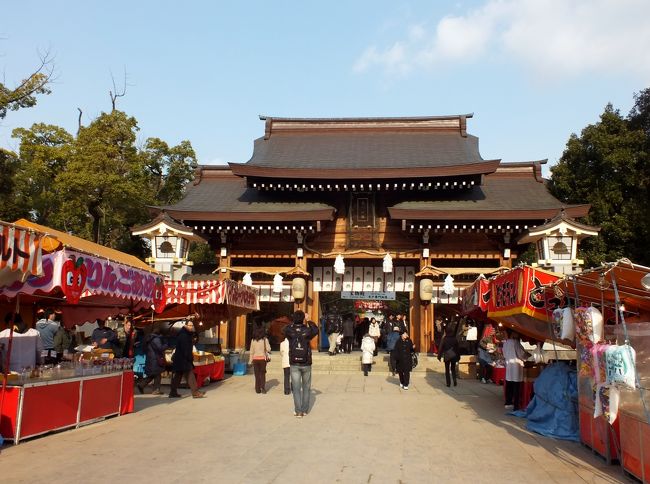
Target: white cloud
{"points": [[550, 38]]}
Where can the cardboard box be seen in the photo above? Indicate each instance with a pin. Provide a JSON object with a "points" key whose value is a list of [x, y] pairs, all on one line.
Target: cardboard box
{"points": [[466, 370]]}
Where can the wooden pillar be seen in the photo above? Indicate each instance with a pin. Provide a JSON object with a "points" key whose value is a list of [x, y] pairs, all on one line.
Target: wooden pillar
{"points": [[239, 332]]}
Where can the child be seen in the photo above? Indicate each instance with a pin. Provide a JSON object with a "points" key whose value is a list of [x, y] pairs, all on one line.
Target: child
{"points": [[284, 353], [368, 349], [339, 343]]}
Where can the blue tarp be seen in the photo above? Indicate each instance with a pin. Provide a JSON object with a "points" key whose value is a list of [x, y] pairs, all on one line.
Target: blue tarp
{"points": [[553, 411]]}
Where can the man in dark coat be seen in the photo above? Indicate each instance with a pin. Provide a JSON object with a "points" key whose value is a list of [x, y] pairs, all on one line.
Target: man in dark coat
{"points": [[348, 333], [403, 359], [183, 362]]}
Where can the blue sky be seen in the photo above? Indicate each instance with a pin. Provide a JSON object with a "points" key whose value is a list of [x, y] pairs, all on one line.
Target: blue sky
{"points": [[532, 72]]}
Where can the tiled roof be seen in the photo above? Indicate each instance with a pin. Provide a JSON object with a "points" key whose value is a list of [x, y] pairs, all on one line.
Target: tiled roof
{"points": [[499, 197], [221, 196], [322, 148]]}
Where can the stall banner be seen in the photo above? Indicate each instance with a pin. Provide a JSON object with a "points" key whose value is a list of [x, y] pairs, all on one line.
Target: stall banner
{"points": [[20, 253], [476, 297], [520, 291], [211, 292], [241, 295], [80, 275]]}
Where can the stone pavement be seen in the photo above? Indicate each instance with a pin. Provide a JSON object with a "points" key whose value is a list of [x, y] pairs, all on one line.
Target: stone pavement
{"points": [[359, 430]]}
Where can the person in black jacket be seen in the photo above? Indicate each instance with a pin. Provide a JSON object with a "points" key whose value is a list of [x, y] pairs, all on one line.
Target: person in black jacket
{"points": [[299, 334], [449, 351], [183, 362], [403, 359], [154, 363]]}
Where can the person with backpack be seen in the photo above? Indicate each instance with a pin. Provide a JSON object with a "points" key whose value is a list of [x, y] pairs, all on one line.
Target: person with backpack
{"points": [[299, 334]]}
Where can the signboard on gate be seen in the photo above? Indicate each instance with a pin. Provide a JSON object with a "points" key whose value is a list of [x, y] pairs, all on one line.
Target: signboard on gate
{"points": [[376, 296]]}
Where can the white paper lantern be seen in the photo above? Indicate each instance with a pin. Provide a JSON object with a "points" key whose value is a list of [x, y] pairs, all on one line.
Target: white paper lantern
{"points": [[277, 283], [448, 287], [247, 280], [388, 263], [339, 265]]}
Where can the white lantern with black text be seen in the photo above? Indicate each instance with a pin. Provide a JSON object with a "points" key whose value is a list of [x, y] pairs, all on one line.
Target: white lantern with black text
{"points": [[298, 288], [426, 290]]}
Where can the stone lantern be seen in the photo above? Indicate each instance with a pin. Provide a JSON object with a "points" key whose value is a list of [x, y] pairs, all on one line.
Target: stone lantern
{"points": [[170, 245], [556, 243]]}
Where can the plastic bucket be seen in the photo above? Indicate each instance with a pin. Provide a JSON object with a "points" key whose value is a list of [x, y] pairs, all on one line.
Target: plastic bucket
{"points": [[239, 369], [233, 359]]}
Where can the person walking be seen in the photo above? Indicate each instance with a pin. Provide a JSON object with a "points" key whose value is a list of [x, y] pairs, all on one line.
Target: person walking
{"points": [[299, 335], [449, 352], [183, 362], [514, 355], [348, 333], [374, 330], [284, 354], [258, 355], [154, 363], [368, 350], [471, 338], [333, 330], [403, 359]]}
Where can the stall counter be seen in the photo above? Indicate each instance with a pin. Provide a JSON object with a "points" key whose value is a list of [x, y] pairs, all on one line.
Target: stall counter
{"points": [[41, 406]]}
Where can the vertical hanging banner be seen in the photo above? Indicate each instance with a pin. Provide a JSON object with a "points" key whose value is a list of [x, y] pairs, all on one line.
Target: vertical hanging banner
{"points": [[475, 299], [20, 253]]}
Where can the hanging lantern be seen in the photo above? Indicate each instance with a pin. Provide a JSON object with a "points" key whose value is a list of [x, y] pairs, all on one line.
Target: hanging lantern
{"points": [[426, 290], [388, 263], [247, 280], [448, 287], [277, 283], [298, 288], [339, 265]]}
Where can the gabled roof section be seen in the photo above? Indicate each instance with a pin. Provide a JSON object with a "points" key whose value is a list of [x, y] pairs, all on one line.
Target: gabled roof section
{"points": [[516, 191], [562, 224], [217, 194], [346, 148], [164, 223]]}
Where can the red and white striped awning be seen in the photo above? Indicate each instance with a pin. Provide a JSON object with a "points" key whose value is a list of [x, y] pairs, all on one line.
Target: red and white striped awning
{"points": [[211, 292], [20, 253], [195, 292]]}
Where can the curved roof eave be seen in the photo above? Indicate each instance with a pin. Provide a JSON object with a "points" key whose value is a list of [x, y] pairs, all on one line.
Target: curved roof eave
{"points": [[281, 216], [482, 168], [546, 213]]}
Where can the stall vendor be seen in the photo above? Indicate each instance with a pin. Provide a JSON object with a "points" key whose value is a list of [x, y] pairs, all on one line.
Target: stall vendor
{"points": [[103, 337], [47, 327], [26, 348]]}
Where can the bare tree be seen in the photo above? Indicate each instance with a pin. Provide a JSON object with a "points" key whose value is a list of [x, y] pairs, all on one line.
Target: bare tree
{"points": [[23, 95], [114, 93]]}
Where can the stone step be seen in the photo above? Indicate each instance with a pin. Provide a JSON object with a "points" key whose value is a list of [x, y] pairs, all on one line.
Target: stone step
{"points": [[349, 363]]}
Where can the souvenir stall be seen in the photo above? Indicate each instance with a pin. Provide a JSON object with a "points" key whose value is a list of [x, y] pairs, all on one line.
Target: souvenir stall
{"points": [[209, 302], [610, 311], [84, 281]]}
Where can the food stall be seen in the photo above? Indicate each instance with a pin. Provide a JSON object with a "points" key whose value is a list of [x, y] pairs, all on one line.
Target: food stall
{"points": [[84, 281], [610, 314], [209, 301], [517, 300]]}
